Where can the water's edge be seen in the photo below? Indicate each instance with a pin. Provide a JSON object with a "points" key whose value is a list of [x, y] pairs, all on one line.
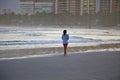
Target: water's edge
{"points": [[20, 53]]}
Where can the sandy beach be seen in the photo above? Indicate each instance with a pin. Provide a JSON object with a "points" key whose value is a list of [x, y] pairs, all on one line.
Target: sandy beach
{"points": [[14, 53], [87, 66]]}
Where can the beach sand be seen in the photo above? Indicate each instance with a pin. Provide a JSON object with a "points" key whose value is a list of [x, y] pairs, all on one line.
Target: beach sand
{"points": [[87, 66], [57, 50]]}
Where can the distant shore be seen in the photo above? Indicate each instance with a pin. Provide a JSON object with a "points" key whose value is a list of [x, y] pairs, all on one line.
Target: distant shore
{"points": [[56, 50], [66, 26]]}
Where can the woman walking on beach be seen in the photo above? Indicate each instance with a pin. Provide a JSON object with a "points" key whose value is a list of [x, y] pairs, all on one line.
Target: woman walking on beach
{"points": [[65, 38]]}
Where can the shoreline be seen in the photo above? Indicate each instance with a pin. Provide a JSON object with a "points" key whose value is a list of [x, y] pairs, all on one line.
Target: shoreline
{"points": [[4, 54], [64, 26]]}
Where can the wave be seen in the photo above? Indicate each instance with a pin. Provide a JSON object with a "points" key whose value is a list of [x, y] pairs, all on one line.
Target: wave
{"points": [[27, 42], [33, 42]]}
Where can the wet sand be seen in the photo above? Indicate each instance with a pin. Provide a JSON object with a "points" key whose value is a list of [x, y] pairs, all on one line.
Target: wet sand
{"points": [[57, 50], [88, 66]]}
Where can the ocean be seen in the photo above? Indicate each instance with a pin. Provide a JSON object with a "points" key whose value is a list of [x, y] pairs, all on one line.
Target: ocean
{"points": [[44, 37]]}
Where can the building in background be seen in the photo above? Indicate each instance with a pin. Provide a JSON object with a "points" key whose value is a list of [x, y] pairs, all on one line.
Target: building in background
{"points": [[105, 7], [80, 7], [61, 6], [75, 7], [97, 6], [26, 7], [116, 10], [109, 6], [115, 6], [34, 6], [89, 6]]}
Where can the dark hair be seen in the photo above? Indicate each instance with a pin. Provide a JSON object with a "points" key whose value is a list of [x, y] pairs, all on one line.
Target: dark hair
{"points": [[64, 32]]}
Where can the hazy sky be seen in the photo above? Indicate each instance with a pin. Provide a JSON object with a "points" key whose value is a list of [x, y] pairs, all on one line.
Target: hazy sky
{"points": [[11, 4]]}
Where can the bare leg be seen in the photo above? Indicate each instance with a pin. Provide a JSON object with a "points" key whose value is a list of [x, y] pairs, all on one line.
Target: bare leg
{"points": [[65, 49]]}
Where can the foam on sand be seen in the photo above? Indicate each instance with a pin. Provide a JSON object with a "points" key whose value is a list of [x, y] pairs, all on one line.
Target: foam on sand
{"points": [[47, 52]]}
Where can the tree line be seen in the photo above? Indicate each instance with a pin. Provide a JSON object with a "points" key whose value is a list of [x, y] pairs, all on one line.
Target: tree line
{"points": [[50, 19]]}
